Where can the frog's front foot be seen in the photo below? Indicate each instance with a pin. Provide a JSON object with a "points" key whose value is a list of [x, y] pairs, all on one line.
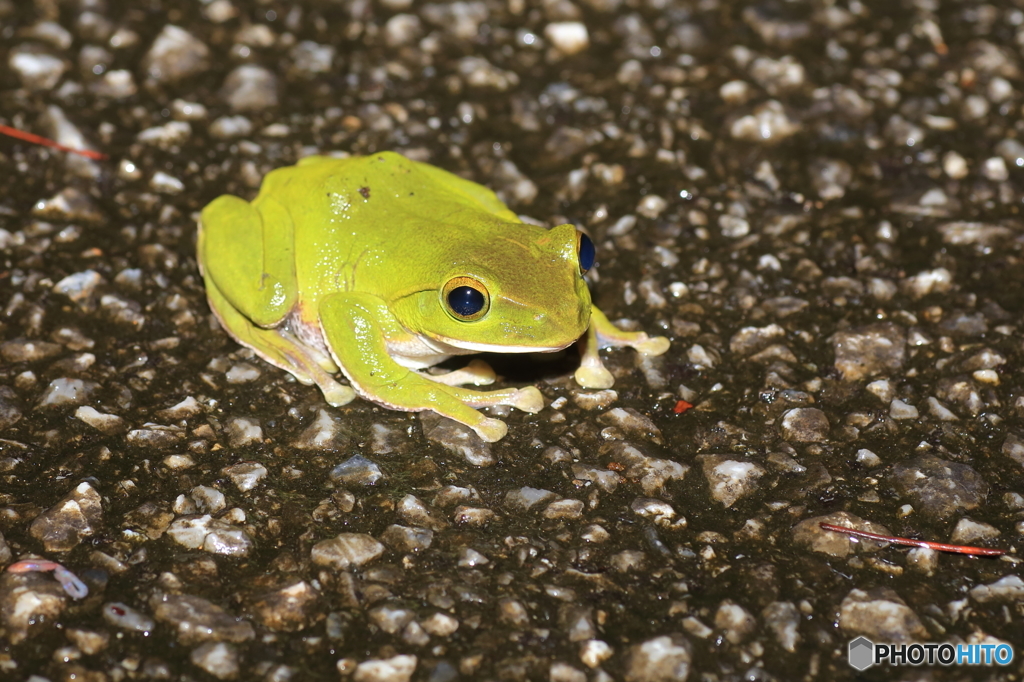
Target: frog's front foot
{"points": [[591, 375], [338, 394]]}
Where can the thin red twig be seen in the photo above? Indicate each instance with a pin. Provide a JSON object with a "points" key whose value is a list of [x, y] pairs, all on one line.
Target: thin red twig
{"points": [[896, 540], [46, 142]]}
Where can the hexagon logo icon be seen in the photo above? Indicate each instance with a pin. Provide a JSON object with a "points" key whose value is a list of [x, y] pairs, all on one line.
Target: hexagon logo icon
{"points": [[861, 653]]}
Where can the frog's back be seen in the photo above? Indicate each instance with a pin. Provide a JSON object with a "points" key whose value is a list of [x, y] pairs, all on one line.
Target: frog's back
{"points": [[386, 175], [372, 214]]}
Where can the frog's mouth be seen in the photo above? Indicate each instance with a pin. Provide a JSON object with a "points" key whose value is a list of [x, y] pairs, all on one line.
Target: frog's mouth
{"points": [[456, 345]]}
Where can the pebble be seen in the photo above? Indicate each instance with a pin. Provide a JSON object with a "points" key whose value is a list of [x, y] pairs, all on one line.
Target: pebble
{"points": [[568, 37], [215, 536], [402, 29], [593, 652], [357, 470], [783, 620], [457, 439], [407, 538], [730, 477], [168, 136], [939, 488], [604, 479], [954, 165], [250, 88], [994, 168], [734, 622], [310, 58], [346, 550], [188, 407], [804, 425], [195, 620], [390, 618], [28, 350], [661, 659], [156, 436], [10, 411], [395, 669], [869, 351], [175, 55], [526, 498], [30, 603], [229, 127], [594, 400], [36, 69], [1009, 588], [66, 524], [970, 532], [441, 625], [937, 281], [216, 658], [69, 205], [653, 473], [324, 432], [632, 424], [101, 421], [126, 618], [480, 73], [473, 516], [412, 510], [880, 615], [118, 84], [564, 509], [293, 607], [769, 124], [900, 410], [809, 533]]}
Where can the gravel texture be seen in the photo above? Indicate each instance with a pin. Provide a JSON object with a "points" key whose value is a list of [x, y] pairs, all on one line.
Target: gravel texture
{"points": [[818, 202]]}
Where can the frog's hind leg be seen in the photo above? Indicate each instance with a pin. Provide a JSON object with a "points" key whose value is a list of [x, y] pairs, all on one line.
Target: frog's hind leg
{"points": [[476, 373], [603, 334], [281, 349]]}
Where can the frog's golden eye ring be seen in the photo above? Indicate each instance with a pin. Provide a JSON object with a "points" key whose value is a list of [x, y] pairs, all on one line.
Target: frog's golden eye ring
{"points": [[465, 298], [585, 251]]}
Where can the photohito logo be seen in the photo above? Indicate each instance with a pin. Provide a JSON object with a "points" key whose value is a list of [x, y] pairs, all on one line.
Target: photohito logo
{"points": [[862, 653]]}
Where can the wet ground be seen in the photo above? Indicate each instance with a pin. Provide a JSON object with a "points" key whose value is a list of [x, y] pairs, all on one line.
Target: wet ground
{"points": [[817, 202]]}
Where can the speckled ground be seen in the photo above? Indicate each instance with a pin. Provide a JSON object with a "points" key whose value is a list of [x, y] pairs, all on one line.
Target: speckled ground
{"points": [[818, 202]]}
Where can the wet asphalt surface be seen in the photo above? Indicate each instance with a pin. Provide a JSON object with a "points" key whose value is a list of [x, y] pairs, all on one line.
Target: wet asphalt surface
{"points": [[818, 203]]}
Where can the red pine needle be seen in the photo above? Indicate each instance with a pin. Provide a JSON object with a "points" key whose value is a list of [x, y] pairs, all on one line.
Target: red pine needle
{"points": [[937, 546], [46, 142]]}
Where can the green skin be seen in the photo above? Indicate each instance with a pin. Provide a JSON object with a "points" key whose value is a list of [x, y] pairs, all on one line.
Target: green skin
{"points": [[342, 264]]}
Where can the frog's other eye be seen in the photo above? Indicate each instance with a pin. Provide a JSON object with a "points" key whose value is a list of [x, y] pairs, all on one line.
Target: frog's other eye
{"points": [[465, 298], [585, 251]]}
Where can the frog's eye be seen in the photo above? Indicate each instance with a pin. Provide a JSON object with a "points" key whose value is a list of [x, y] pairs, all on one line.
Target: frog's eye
{"points": [[466, 298], [586, 252]]}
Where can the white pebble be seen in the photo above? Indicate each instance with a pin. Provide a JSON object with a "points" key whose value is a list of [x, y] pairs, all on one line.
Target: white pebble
{"points": [[568, 37]]}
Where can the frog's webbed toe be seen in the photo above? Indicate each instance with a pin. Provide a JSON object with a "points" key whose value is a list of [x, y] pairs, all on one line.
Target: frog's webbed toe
{"points": [[650, 345], [476, 373], [490, 430], [528, 399]]}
